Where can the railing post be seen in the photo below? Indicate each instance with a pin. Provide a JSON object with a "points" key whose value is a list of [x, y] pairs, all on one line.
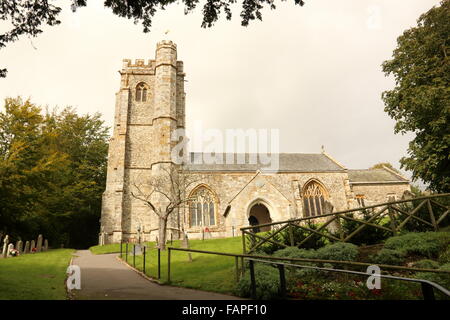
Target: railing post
{"points": [[236, 262], [433, 219], [143, 261], [126, 252], [243, 242], [252, 240], [159, 263], [291, 234], [282, 280], [392, 218], [121, 249], [134, 255], [168, 265], [252, 279], [242, 266], [427, 291], [341, 229]]}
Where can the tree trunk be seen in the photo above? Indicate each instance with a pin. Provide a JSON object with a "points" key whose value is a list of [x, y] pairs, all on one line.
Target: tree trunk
{"points": [[162, 233]]}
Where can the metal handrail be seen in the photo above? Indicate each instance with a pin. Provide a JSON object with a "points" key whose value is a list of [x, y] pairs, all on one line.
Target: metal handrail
{"points": [[427, 286]]}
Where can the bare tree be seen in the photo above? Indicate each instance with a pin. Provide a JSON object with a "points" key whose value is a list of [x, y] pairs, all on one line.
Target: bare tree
{"points": [[164, 194]]}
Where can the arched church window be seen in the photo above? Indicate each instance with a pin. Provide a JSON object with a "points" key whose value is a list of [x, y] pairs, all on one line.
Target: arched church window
{"points": [[202, 208], [141, 92], [313, 199]]}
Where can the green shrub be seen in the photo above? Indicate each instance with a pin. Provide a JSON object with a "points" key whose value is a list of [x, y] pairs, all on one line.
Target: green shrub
{"points": [[284, 237], [338, 251], [426, 264], [388, 256], [367, 236], [268, 247], [294, 252], [267, 283], [442, 279], [299, 235], [444, 257], [414, 225], [426, 244]]}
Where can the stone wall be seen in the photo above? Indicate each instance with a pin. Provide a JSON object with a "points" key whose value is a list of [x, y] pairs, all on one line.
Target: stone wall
{"points": [[379, 193]]}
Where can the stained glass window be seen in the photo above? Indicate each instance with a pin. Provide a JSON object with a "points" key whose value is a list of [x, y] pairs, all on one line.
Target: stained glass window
{"points": [[202, 208], [313, 199]]}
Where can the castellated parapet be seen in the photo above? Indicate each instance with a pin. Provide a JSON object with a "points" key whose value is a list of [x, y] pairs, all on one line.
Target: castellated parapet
{"points": [[150, 104]]}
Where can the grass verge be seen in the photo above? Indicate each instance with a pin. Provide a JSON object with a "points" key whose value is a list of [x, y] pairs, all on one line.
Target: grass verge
{"points": [[38, 276]]}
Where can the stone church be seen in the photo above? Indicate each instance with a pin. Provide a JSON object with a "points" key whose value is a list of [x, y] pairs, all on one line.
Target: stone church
{"points": [[150, 106]]}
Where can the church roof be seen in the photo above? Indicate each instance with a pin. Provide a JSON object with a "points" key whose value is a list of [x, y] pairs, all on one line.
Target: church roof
{"points": [[375, 176], [293, 162]]}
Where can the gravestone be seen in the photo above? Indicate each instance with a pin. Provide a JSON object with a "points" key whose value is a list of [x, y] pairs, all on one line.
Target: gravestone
{"points": [[19, 246], [45, 245], [10, 247], [185, 245], [206, 233], [27, 247], [32, 245], [137, 249], [139, 234], [39, 243], [102, 237], [5, 246]]}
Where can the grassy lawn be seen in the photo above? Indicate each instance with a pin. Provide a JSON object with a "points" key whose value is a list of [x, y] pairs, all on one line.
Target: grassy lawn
{"points": [[206, 272], [38, 276], [108, 248]]}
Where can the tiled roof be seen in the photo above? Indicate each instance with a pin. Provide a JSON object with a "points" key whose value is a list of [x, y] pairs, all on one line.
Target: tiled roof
{"points": [[294, 162], [374, 175]]}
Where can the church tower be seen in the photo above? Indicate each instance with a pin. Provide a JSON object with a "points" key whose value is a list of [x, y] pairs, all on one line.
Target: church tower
{"points": [[150, 105]]}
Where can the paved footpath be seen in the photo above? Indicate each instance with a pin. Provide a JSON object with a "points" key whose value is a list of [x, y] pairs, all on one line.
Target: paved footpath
{"points": [[103, 277]]}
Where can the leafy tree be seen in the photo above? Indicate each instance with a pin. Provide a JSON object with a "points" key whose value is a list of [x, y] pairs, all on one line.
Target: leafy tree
{"points": [[24, 160], [28, 16], [52, 173], [420, 101]]}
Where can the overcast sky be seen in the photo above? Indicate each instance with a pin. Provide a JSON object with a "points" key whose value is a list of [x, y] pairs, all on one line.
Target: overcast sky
{"points": [[314, 72]]}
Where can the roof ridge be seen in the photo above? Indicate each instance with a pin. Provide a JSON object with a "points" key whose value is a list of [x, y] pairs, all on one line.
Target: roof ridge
{"points": [[334, 160], [395, 173]]}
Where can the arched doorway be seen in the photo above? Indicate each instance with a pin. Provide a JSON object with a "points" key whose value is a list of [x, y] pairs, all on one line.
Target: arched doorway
{"points": [[259, 214]]}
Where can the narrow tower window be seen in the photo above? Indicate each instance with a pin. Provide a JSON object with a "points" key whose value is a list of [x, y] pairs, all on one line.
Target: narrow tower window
{"points": [[141, 92]]}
